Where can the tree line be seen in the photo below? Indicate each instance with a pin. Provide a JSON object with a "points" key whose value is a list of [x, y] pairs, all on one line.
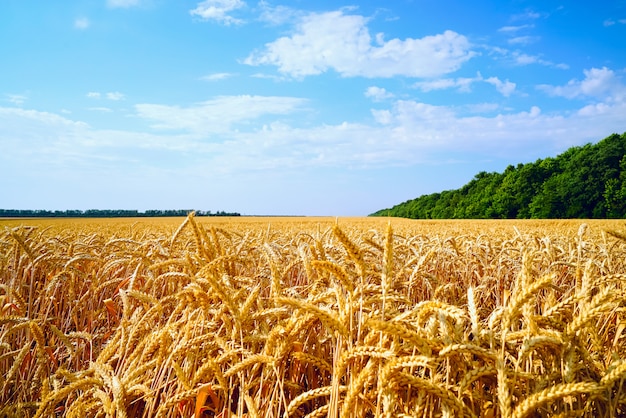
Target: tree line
{"points": [[105, 213], [583, 182]]}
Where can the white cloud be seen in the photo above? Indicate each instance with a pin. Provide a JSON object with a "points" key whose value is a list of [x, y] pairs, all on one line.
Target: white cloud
{"points": [[525, 59], [112, 95], [528, 15], [115, 96], [122, 3], [216, 76], [463, 84], [534, 111], [611, 22], [230, 135], [412, 127], [277, 15], [482, 107], [515, 38], [16, 99], [234, 134], [273, 77], [523, 40], [25, 132], [384, 117], [598, 82], [217, 115], [506, 88], [342, 42], [218, 10], [439, 84], [101, 109], [519, 58], [510, 29], [82, 23], [378, 93]]}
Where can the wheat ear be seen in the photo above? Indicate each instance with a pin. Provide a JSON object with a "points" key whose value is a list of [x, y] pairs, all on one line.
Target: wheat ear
{"points": [[534, 401]]}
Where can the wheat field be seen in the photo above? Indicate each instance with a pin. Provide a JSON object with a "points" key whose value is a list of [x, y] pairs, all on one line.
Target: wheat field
{"points": [[315, 317]]}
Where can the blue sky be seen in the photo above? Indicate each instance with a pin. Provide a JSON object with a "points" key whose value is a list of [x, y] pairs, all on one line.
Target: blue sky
{"points": [[294, 107]]}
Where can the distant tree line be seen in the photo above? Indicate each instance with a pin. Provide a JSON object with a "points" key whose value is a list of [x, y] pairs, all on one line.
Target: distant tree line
{"points": [[105, 213], [583, 182]]}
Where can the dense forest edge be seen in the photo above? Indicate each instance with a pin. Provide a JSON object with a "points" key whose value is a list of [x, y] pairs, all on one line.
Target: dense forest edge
{"points": [[106, 213], [583, 182]]}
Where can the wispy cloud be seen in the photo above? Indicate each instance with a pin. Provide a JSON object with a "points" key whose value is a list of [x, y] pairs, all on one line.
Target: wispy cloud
{"points": [[521, 58], [515, 34], [462, 84], [122, 3], [513, 29], [219, 11], [506, 88], [216, 76], [82, 23], [409, 129], [217, 115], [234, 134], [115, 96], [517, 57], [611, 22], [342, 42], [482, 107], [16, 99], [101, 109], [378, 93], [527, 15], [112, 95], [278, 15], [523, 40], [273, 77], [598, 82]]}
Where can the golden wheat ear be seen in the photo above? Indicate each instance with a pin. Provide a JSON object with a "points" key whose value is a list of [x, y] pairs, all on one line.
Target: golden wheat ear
{"points": [[312, 318]]}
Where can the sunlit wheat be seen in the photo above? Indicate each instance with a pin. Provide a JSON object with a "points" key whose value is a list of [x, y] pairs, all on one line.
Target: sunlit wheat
{"points": [[312, 317]]}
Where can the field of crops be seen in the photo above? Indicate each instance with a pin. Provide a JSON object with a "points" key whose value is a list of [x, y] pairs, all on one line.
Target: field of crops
{"points": [[315, 317]]}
